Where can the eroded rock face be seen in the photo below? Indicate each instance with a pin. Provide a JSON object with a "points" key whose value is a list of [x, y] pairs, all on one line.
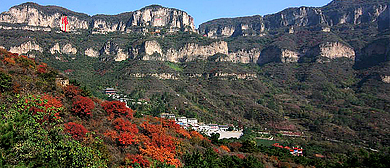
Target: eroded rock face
{"points": [[334, 50], [158, 16], [26, 47], [152, 47], [386, 79], [29, 14], [66, 49], [189, 52], [111, 50], [47, 17], [243, 56], [337, 12], [90, 52], [276, 54]]}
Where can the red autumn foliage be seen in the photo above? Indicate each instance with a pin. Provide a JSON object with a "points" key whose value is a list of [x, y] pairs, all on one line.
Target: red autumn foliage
{"points": [[235, 146], [125, 125], [241, 156], [77, 131], [48, 105], [83, 106], [117, 109], [72, 91], [126, 138], [42, 68], [141, 160]]}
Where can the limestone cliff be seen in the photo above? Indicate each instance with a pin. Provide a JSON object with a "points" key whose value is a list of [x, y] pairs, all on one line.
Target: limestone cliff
{"points": [[243, 56], [90, 52], [112, 51], [276, 54], [338, 12], [48, 17], [334, 50], [188, 52], [65, 49], [26, 47]]}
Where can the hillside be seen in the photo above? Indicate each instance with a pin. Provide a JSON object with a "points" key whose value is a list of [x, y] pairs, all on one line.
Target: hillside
{"points": [[317, 78]]}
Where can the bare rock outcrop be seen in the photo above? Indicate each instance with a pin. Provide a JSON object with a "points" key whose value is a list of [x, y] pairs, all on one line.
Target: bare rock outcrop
{"points": [[276, 54], [45, 18], [90, 52], [26, 47], [243, 56], [66, 49], [334, 50], [189, 52], [112, 51]]}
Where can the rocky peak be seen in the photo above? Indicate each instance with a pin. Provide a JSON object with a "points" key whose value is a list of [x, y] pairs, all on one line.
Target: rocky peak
{"points": [[353, 12], [33, 14]]}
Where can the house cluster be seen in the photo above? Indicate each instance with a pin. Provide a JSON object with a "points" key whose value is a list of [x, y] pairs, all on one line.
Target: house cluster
{"points": [[296, 151], [193, 123]]}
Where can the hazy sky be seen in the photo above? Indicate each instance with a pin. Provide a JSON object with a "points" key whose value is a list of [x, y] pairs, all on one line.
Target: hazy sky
{"points": [[201, 10]]}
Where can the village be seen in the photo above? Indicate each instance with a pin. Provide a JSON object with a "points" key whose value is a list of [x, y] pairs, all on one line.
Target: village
{"points": [[225, 131]]}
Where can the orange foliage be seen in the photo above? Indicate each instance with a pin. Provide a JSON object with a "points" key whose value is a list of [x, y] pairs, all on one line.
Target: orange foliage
{"points": [[9, 60], [160, 146], [225, 148], [161, 155], [83, 106], [196, 134], [111, 134], [117, 108]]}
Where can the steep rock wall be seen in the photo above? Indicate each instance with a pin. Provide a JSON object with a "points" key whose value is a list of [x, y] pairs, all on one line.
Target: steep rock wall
{"points": [[26, 47]]}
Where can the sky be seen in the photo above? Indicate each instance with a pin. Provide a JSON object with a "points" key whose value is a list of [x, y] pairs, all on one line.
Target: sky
{"points": [[201, 10]]}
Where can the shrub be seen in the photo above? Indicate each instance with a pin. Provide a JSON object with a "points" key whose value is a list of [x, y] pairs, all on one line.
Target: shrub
{"points": [[137, 159], [117, 108], [83, 106], [72, 91], [77, 131], [5, 82]]}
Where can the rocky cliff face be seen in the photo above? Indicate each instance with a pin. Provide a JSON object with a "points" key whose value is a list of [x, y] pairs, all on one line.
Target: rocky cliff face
{"points": [[26, 47], [243, 56], [337, 12], [34, 15], [329, 50], [189, 52], [65, 49], [276, 54], [111, 50], [334, 50]]}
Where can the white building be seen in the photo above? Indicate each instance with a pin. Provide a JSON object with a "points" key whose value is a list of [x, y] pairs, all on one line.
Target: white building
{"points": [[223, 127], [213, 127], [192, 121], [182, 121], [168, 116]]}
